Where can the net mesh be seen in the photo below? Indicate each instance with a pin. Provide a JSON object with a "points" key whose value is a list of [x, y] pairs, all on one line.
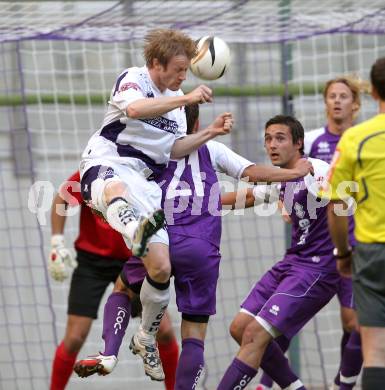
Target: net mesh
{"points": [[59, 60]]}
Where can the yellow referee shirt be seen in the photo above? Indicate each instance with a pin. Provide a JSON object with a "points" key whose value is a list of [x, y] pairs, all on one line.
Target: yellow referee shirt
{"points": [[360, 157]]}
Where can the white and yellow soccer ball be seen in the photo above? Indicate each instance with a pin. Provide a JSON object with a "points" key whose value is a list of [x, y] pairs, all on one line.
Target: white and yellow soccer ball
{"points": [[212, 60]]}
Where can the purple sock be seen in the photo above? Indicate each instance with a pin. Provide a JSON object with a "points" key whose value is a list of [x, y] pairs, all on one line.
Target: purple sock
{"points": [[273, 358], [117, 312], [351, 362], [283, 343], [237, 376], [190, 365], [344, 340]]}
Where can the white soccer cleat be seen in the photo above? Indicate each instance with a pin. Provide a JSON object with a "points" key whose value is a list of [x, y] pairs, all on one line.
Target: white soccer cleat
{"points": [[147, 227], [150, 355], [98, 364]]}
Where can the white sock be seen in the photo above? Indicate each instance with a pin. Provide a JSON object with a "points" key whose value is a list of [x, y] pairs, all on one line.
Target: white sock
{"points": [[154, 303], [295, 385], [121, 216]]}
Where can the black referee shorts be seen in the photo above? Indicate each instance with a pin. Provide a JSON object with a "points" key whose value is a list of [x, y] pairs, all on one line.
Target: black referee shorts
{"points": [[369, 283], [89, 282]]}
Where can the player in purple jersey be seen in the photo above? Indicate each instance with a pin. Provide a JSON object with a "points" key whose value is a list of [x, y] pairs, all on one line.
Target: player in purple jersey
{"points": [[298, 286], [191, 202], [342, 104]]}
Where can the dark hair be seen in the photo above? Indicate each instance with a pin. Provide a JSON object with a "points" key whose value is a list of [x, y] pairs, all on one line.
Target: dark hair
{"points": [[296, 129], [377, 77], [163, 44], [192, 115]]}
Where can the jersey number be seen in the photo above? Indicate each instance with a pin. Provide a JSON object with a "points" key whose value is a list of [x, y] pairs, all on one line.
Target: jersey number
{"points": [[193, 161]]}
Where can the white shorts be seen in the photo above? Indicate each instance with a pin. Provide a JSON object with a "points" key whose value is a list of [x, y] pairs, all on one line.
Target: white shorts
{"points": [[145, 196]]}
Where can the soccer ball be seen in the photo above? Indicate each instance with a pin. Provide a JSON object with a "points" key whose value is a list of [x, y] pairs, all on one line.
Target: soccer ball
{"points": [[212, 60]]}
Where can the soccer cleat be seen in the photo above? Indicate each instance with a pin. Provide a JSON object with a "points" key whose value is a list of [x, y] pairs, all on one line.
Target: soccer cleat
{"points": [[150, 355], [98, 364], [147, 227]]}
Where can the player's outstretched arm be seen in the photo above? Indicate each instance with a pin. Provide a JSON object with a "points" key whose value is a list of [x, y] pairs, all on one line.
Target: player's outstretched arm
{"points": [[269, 174], [184, 146], [60, 258], [148, 108], [249, 197], [239, 199]]}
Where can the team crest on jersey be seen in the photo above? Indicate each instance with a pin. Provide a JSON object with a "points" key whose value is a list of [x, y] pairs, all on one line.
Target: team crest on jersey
{"points": [[129, 85]]}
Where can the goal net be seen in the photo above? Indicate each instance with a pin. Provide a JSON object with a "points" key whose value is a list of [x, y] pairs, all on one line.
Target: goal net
{"points": [[59, 61]]}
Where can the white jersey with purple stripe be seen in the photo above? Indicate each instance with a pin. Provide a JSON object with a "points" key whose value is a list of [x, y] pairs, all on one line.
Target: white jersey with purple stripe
{"points": [[149, 140], [321, 144], [191, 191]]}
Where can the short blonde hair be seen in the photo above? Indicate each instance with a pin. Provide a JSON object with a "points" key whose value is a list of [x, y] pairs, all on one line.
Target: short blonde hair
{"points": [[163, 44]]}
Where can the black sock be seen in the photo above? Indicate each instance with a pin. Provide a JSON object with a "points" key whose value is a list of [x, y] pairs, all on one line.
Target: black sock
{"points": [[373, 378]]}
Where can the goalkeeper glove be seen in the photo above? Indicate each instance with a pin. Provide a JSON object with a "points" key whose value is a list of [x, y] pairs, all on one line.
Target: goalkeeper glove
{"points": [[60, 259]]}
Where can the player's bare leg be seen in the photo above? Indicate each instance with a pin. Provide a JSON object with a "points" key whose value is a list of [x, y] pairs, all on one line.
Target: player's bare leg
{"points": [[373, 348], [77, 330], [258, 349]]}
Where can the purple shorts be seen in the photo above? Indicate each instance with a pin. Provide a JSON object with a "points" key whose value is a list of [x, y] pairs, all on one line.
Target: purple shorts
{"points": [[345, 292], [134, 271], [288, 296], [195, 267]]}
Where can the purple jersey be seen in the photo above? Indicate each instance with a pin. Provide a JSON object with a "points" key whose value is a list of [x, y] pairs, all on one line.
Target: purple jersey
{"points": [[191, 191], [321, 144], [311, 245]]}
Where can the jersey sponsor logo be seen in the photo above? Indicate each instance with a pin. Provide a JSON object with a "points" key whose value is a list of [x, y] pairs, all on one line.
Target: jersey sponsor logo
{"points": [[127, 86], [106, 174], [304, 225], [274, 310], [162, 123], [315, 259]]}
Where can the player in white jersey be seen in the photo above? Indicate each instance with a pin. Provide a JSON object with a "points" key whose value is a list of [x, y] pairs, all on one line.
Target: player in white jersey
{"points": [[145, 125]]}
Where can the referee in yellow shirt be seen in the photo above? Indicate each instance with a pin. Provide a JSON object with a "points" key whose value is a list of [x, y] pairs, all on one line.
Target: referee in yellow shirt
{"points": [[358, 171]]}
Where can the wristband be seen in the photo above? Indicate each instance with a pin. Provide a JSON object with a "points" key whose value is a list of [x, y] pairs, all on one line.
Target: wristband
{"points": [[338, 255]]}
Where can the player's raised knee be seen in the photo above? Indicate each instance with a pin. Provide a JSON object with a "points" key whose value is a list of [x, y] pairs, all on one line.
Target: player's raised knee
{"points": [[236, 330], [160, 272], [114, 189]]}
